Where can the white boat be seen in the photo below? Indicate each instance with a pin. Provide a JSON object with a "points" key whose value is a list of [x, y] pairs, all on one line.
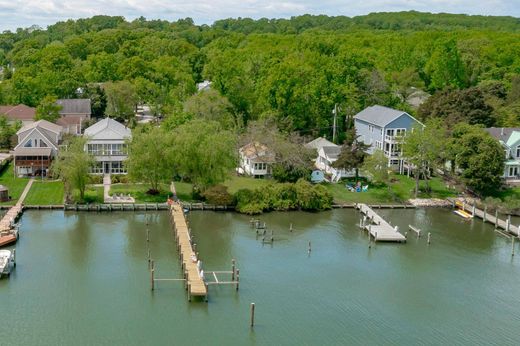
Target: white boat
{"points": [[7, 262]]}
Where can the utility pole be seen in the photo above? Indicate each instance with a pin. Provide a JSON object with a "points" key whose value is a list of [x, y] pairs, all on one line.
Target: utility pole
{"points": [[335, 112]]}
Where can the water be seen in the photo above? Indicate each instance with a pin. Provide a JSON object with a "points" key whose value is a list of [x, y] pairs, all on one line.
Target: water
{"points": [[82, 279]]}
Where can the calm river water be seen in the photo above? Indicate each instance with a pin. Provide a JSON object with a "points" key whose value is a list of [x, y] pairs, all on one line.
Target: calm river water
{"points": [[82, 279]]}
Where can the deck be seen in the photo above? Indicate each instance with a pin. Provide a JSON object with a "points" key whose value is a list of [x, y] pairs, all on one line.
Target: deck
{"points": [[487, 217], [194, 282], [378, 227]]}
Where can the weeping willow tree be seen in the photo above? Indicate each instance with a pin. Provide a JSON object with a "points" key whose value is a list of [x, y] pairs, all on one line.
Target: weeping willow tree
{"points": [[72, 166]]}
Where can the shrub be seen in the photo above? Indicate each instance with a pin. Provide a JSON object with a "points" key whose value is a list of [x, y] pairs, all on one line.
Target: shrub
{"points": [[218, 195]]}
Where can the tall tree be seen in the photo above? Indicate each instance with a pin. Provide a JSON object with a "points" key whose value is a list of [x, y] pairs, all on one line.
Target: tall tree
{"points": [[210, 105], [150, 157], [121, 100], [48, 109], [353, 153], [73, 165], [376, 165]]}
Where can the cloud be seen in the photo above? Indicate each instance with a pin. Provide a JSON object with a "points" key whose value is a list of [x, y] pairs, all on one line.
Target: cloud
{"points": [[24, 13]]}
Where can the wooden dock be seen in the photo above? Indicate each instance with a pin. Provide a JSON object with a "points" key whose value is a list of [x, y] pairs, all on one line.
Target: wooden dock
{"points": [[487, 217], [195, 284], [7, 224], [377, 227]]}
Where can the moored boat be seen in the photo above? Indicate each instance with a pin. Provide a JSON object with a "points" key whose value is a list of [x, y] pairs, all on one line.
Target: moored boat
{"points": [[7, 262]]}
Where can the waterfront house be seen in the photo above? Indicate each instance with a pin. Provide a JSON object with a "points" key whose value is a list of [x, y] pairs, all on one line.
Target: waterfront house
{"points": [[107, 142], [327, 153], [509, 138], [37, 146], [20, 112], [256, 160], [383, 128], [74, 114]]}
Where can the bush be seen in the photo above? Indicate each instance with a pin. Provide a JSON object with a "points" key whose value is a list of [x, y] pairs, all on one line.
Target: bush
{"points": [[95, 179], [218, 195]]}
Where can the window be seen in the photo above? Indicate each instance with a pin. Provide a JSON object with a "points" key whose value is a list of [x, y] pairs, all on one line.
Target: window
{"points": [[43, 144], [518, 151], [400, 132], [379, 145], [118, 167], [97, 168], [28, 144]]}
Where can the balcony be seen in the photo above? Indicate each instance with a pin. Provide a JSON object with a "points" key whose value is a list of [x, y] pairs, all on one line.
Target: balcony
{"points": [[392, 154], [393, 139]]}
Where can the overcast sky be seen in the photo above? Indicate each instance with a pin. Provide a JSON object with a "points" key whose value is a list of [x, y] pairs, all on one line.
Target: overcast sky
{"points": [[24, 13]]}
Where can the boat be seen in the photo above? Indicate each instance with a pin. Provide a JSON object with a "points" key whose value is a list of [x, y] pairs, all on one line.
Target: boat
{"points": [[9, 237], [463, 214], [7, 262]]}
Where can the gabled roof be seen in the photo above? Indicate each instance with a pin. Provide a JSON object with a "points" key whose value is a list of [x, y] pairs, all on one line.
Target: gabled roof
{"points": [[318, 143], [513, 139], [257, 151], [332, 152], [108, 128], [379, 115], [502, 133], [43, 124], [18, 112], [74, 106]]}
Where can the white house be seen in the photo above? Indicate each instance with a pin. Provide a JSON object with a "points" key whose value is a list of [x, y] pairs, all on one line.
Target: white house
{"points": [[38, 144], [256, 160], [510, 140], [327, 154], [107, 142]]}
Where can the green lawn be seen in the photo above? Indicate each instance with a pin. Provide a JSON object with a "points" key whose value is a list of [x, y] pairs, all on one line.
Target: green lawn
{"points": [[14, 184], [45, 193], [400, 190], [235, 183], [510, 193]]}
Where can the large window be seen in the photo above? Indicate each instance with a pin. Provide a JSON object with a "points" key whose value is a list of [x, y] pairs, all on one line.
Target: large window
{"points": [[97, 168], [107, 149], [261, 166], [518, 151]]}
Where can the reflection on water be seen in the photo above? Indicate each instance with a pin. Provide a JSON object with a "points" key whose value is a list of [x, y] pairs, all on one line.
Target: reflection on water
{"points": [[82, 278]]}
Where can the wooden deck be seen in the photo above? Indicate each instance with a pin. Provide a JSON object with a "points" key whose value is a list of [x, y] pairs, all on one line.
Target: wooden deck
{"points": [[487, 217], [195, 283], [377, 227]]}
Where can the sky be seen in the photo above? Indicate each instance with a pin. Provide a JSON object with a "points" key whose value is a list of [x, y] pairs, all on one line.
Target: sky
{"points": [[24, 13]]}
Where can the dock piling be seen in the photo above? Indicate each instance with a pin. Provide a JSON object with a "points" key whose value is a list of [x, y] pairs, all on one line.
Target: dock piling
{"points": [[290, 228], [252, 320], [238, 278], [496, 219], [429, 237], [232, 270], [152, 278], [310, 249], [512, 246]]}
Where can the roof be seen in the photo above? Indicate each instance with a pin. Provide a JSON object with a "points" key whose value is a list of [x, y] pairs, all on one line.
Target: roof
{"points": [[18, 112], [43, 124], [22, 151], [255, 150], [67, 121], [318, 143], [502, 133], [514, 138], [379, 115], [332, 152], [74, 106], [108, 128]]}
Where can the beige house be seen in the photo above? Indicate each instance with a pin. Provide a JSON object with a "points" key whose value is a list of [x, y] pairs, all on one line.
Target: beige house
{"points": [[256, 160]]}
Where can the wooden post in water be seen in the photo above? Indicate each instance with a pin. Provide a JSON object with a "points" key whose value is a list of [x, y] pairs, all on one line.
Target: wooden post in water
{"points": [[147, 234], [238, 279], [464, 205], [232, 270], [496, 219], [252, 315], [290, 230], [485, 213], [429, 237], [153, 281], [508, 223], [473, 212], [406, 234], [512, 246], [309, 251]]}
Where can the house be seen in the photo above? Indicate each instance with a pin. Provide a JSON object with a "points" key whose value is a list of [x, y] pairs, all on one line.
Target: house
{"points": [[107, 142], [383, 128], [20, 112], [37, 146], [74, 113], [327, 153], [203, 86], [256, 160], [510, 140]]}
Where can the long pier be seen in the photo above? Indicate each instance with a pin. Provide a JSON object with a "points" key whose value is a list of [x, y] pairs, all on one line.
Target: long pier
{"points": [[194, 277], [377, 227], [487, 217]]}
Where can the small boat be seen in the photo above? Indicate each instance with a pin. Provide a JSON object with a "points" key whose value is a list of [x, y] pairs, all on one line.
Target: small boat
{"points": [[463, 213], [7, 262]]}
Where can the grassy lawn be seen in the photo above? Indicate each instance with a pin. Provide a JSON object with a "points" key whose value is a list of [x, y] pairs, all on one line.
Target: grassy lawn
{"points": [[400, 190], [235, 183], [45, 193], [14, 184], [512, 193]]}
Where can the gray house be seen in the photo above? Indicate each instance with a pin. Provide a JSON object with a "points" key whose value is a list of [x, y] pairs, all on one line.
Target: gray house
{"points": [[74, 114], [383, 128]]}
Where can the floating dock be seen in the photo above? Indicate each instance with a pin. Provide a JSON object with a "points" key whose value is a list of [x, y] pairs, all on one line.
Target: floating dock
{"points": [[377, 227], [195, 284], [473, 211]]}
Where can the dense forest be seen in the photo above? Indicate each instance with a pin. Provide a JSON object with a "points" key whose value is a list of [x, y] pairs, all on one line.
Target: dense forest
{"points": [[291, 70]]}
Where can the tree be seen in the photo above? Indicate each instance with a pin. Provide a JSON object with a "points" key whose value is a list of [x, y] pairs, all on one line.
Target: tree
{"points": [[210, 105], [352, 155], [72, 166], [203, 152], [423, 147], [376, 165], [445, 67], [478, 156], [48, 109], [121, 100], [150, 157], [7, 131], [98, 99]]}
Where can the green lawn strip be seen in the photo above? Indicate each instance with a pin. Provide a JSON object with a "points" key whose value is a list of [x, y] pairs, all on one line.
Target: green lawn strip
{"points": [[45, 193], [14, 184], [235, 183]]}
